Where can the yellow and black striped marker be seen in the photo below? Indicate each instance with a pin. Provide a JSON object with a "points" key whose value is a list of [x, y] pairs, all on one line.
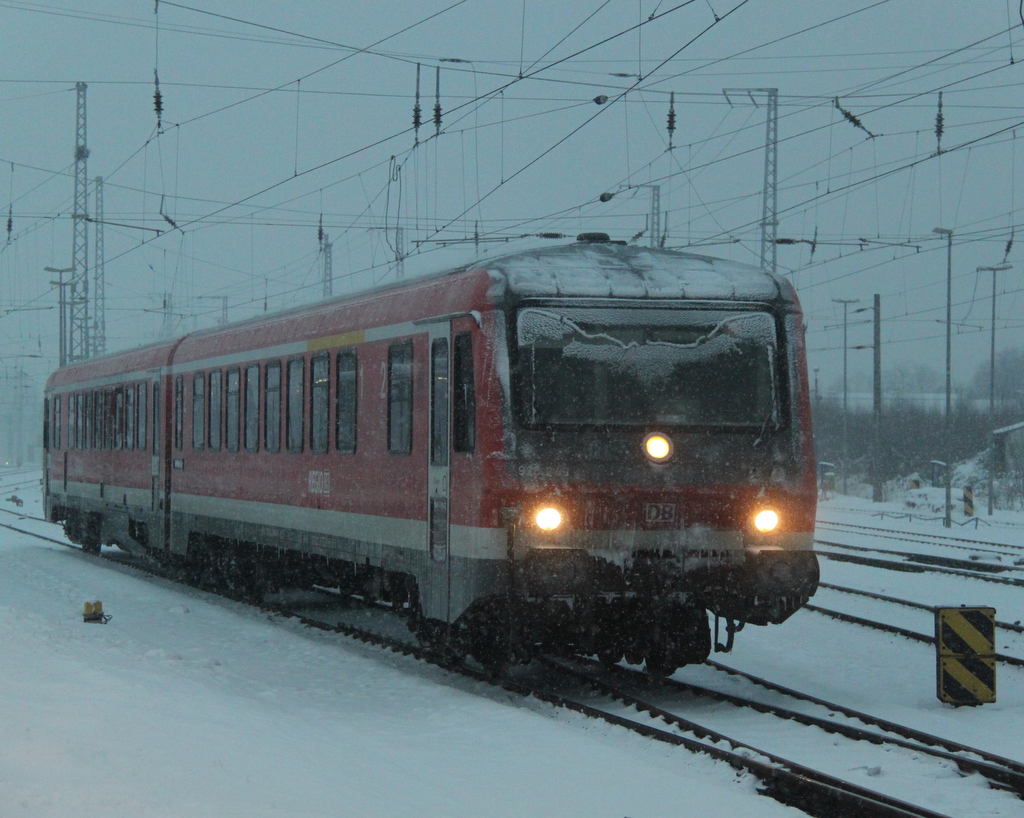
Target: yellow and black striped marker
{"points": [[965, 655], [969, 501]]}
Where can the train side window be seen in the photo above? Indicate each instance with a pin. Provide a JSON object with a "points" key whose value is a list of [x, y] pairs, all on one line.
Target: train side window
{"points": [[140, 415], [79, 417], [272, 407], [198, 410], [46, 424], [295, 409], [439, 402], [400, 397], [318, 404], [231, 410], [129, 417], [99, 418], [252, 408], [87, 421], [179, 410], [56, 422], [109, 418], [463, 395], [71, 421], [345, 431], [156, 418], [215, 411]]}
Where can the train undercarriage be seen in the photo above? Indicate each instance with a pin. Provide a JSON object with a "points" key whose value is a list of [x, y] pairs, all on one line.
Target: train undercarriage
{"points": [[560, 601]]}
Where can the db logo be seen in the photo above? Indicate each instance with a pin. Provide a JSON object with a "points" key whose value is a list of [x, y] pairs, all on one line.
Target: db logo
{"points": [[659, 513]]}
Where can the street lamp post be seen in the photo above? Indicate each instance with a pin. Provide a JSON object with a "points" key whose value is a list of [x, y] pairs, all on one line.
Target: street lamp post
{"points": [[992, 387], [846, 305], [947, 519]]}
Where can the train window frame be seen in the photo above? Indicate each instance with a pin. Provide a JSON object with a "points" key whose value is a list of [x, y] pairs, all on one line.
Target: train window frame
{"points": [[156, 417], [346, 424], [99, 418], [87, 420], [109, 418], [252, 408], [56, 421], [463, 395], [129, 417], [320, 404], [781, 409], [214, 409], [198, 411], [295, 405], [179, 412], [400, 397], [272, 397], [232, 408], [72, 422], [141, 418], [440, 401]]}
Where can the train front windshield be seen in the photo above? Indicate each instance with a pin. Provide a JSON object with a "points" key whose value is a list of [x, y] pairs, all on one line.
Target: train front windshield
{"points": [[643, 367]]}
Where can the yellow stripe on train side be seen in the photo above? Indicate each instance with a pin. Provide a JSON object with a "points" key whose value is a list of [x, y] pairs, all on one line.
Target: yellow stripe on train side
{"points": [[343, 339]]}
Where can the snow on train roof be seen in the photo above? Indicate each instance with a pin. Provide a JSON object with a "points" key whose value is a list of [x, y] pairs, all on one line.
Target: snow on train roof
{"points": [[606, 269]]}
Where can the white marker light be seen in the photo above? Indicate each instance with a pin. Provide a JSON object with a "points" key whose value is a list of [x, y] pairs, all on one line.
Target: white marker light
{"points": [[658, 447], [548, 519], [766, 520]]}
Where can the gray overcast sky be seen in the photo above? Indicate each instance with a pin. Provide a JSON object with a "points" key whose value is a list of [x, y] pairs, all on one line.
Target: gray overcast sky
{"points": [[280, 116]]}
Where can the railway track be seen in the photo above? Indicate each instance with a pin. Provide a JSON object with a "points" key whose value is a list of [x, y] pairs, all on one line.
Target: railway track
{"points": [[618, 702], [918, 536], [917, 563]]}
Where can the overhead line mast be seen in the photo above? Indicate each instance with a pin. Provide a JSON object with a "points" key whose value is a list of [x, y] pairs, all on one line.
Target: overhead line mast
{"points": [[78, 336], [99, 335]]}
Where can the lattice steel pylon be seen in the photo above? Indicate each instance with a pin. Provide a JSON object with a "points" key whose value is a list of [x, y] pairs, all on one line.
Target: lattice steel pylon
{"points": [[770, 210], [99, 324], [770, 202], [327, 249], [78, 300]]}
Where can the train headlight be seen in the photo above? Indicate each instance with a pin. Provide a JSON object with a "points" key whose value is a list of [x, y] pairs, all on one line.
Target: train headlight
{"points": [[766, 520], [658, 447], [548, 518]]}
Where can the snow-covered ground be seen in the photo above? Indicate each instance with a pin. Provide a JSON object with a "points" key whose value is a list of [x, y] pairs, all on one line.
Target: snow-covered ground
{"points": [[187, 704]]}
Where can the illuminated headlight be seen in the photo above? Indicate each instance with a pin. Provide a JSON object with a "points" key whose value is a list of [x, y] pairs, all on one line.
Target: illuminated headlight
{"points": [[766, 520], [548, 519], [658, 447]]}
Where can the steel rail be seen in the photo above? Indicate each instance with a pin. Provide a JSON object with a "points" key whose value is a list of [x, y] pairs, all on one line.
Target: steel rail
{"points": [[921, 534], [831, 796], [1005, 773], [916, 568], [896, 629], [1016, 627]]}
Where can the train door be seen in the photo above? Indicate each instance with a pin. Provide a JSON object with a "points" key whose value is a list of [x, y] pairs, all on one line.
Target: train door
{"points": [[437, 604], [158, 471]]}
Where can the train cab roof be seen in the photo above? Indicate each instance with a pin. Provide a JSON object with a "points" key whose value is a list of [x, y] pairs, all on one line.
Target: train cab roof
{"points": [[601, 268]]}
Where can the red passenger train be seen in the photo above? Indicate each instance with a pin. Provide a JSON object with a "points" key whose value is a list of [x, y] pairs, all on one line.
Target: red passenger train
{"points": [[581, 448]]}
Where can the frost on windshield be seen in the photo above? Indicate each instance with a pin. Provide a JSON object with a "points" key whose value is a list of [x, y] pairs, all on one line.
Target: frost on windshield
{"points": [[636, 367]]}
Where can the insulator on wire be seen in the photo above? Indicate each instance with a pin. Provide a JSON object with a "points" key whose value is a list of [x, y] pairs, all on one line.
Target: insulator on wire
{"points": [[320, 230], [1009, 246], [851, 118], [671, 116], [417, 111], [158, 100], [939, 126], [437, 101]]}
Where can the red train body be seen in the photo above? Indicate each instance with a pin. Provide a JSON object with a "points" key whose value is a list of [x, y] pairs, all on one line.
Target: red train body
{"points": [[400, 443]]}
